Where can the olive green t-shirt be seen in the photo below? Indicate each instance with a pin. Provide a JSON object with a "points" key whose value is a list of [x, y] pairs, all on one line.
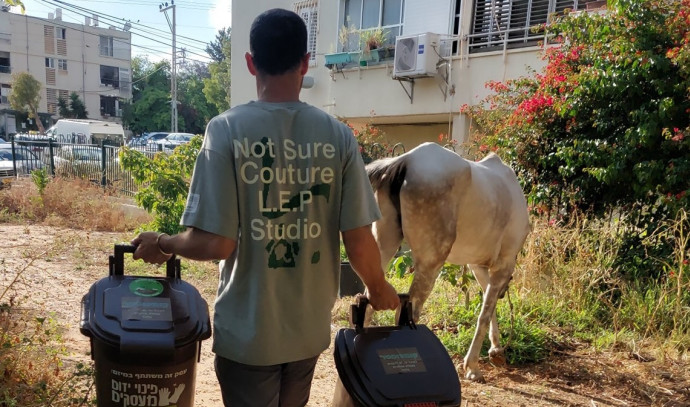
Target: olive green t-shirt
{"points": [[283, 179]]}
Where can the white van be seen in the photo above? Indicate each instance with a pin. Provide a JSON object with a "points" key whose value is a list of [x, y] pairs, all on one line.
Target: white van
{"points": [[84, 131]]}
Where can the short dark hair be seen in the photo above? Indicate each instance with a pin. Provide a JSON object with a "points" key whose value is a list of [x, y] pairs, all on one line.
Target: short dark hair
{"points": [[278, 41]]}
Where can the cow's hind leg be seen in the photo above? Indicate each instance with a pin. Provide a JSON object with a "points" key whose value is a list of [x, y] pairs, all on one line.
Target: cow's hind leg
{"points": [[496, 352], [498, 281]]}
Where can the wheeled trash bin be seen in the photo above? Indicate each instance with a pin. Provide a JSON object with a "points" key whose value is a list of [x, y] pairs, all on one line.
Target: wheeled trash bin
{"points": [[403, 365], [146, 335]]}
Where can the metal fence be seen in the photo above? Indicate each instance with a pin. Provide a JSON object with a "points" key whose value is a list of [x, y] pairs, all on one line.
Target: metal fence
{"points": [[98, 164], [101, 164]]}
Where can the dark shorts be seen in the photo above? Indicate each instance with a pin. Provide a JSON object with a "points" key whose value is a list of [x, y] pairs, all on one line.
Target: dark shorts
{"points": [[284, 385]]}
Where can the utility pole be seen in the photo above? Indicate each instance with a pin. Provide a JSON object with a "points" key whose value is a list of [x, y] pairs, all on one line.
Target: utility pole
{"points": [[163, 7]]}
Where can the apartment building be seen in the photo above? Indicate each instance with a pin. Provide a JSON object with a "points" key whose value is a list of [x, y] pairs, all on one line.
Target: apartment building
{"points": [[437, 56], [93, 61]]}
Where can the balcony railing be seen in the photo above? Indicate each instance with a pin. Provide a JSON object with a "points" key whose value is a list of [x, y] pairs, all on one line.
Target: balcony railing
{"points": [[5, 69]]}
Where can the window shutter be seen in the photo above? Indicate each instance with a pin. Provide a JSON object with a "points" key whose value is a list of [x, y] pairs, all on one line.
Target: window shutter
{"points": [[309, 11]]}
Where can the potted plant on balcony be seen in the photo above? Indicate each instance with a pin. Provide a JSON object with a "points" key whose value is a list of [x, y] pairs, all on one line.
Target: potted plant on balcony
{"points": [[371, 41], [347, 41]]}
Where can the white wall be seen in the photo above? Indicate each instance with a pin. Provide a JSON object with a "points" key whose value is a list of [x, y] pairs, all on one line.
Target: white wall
{"points": [[356, 93]]}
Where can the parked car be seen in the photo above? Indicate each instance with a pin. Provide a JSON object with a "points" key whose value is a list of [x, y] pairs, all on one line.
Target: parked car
{"points": [[147, 141], [77, 158], [26, 161], [175, 139], [153, 138]]}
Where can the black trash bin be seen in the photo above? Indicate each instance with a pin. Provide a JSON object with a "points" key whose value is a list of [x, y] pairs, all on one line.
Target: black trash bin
{"points": [[146, 335], [392, 366], [350, 283]]}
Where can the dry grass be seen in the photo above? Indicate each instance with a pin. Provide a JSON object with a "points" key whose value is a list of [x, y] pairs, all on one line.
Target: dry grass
{"points": [[71, 203], [32, 371]]}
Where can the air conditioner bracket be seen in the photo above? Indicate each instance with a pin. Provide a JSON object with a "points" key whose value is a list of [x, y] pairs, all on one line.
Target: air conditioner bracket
{"points": [[410, 93]]}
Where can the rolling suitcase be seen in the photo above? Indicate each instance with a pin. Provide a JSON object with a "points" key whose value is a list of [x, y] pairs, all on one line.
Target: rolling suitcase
{"points": [[403, 365]]}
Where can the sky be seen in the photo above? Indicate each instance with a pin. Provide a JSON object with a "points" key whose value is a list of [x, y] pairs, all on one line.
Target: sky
{"points": [[197, 22]]}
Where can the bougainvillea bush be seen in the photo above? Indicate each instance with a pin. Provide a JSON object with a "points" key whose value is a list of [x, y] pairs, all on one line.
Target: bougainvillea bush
{"points": [[604, 128]]}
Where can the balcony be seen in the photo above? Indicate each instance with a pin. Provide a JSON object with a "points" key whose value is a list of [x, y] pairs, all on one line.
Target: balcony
{"points": [[344, 60], [5, 69]]}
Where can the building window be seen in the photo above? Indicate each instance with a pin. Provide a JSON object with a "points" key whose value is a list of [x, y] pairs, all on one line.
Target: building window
{"points": [[309, 11], [60, 33], [5, 62], [110, 76], [50, 62], [368, 14], [106, 46], [5, 91], [110, 106], [62, 64], [125, 80], [508, 23]]}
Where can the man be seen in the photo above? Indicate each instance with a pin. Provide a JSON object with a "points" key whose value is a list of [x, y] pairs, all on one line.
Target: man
{"points": [[275, 183]]}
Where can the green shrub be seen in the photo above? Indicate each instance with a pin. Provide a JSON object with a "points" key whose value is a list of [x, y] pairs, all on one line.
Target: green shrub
{"points": [[604, 127], [163, 182]]}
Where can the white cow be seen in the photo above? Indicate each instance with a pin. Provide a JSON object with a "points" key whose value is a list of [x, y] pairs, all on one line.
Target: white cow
{"points": [[450, 209]]}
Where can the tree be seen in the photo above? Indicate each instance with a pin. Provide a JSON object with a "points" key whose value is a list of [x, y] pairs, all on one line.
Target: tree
{"points": [[215, 48], [77, 106], [17, 3], [217, 86], [26, 96], [75, 110], [194, 108], [150, 106]]}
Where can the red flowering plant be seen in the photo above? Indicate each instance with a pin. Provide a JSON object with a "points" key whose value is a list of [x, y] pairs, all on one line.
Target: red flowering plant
{"points": [[447, 142], [605, 125], [372, 141]]}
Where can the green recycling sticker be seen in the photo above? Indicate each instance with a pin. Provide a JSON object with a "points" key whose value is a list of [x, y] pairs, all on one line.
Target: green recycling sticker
{"points": [[146, 287]]}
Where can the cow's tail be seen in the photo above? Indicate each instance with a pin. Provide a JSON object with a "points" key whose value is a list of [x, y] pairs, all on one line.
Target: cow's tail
{"points": [[387, 175]]}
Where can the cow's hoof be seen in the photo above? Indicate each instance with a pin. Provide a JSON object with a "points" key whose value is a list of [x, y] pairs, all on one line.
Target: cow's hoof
{"points": [[474, 375], [497, 356]]}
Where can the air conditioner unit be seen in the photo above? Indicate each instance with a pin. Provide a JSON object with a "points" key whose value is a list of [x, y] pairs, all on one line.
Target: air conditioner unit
{"points": [[415, 55]]}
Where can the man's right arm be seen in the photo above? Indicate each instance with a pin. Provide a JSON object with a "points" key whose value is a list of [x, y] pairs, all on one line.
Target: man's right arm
{"points": [[193, 244], [365, 259]]}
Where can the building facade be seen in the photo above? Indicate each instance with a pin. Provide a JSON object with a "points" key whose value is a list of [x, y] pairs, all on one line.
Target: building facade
{"points": [[436, 56], [93, 61]]}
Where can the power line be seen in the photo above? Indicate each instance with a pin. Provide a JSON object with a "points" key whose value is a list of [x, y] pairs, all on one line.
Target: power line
{"points": [[184, 5], [114, 20], [59, 24], [118, 19], [119, 22]]}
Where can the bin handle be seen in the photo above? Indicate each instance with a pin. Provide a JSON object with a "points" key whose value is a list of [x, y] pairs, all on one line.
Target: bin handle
{"points": [[358, 312], [117, 262]]}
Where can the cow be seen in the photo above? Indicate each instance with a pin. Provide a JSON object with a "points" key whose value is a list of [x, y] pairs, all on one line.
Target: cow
{"points": [[449, 209]]}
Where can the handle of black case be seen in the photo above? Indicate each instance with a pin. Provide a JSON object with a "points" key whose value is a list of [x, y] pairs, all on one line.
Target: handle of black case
{"points": [[117, 261], [358, 312]]}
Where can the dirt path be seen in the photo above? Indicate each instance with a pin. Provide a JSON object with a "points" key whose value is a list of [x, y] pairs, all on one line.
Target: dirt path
{"points": [[59, 266]]}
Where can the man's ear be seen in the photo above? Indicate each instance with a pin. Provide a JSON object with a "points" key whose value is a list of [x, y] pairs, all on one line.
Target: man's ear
{"points": [[304, 66], [250, 63]]}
